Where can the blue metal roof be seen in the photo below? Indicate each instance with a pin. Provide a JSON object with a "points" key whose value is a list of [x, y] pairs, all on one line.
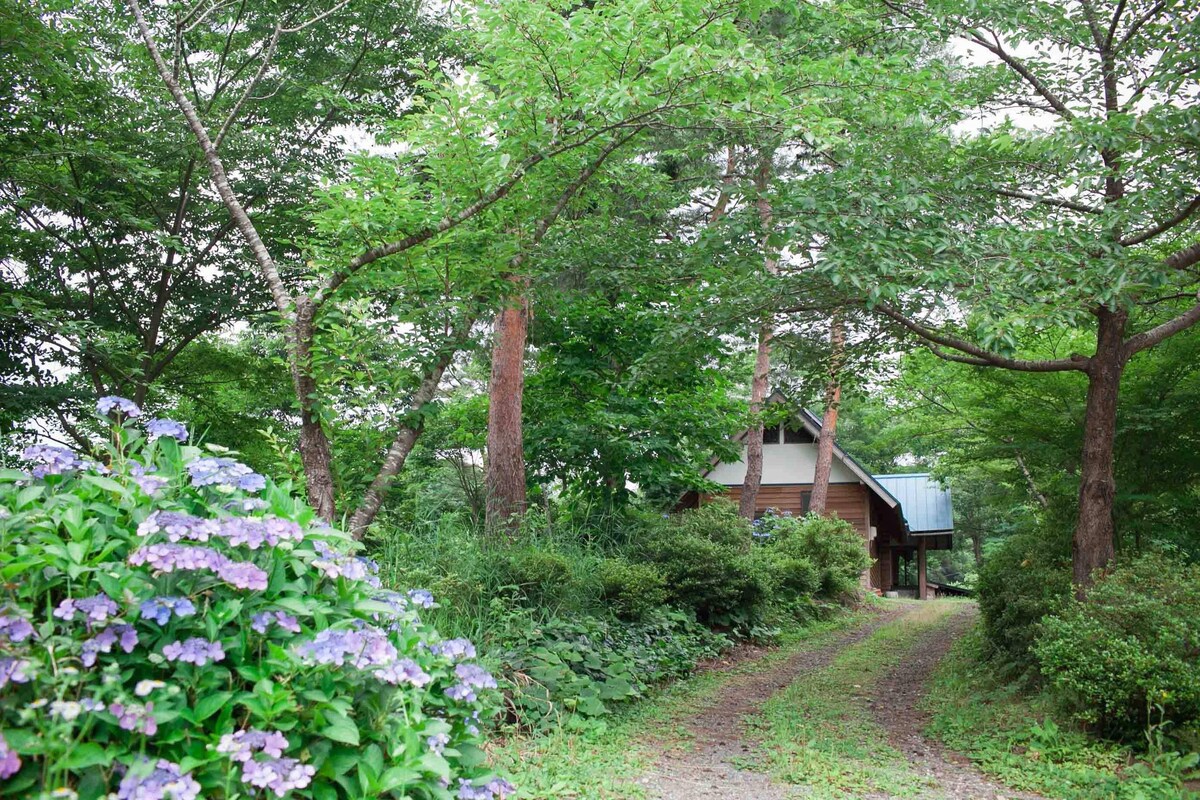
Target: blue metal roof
{"points": [[926, 505]]}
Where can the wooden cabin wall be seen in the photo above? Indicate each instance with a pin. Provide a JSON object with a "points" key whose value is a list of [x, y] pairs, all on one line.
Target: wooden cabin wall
{"points": [[848, 500]]}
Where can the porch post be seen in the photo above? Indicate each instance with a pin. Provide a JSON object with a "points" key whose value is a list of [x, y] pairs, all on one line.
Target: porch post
{"points": [[921, 581]]}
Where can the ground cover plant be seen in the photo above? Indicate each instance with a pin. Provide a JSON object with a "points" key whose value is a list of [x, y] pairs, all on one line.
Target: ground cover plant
{"points": [[175, 625]]}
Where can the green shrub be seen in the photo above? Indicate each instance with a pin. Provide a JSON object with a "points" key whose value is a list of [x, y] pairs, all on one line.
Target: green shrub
{"points": [[1022, 581], [1129, 655], [174, 618], [631, 590], [831, 545], [718, 582], [717, 522], [794, 577], [540, 577]]}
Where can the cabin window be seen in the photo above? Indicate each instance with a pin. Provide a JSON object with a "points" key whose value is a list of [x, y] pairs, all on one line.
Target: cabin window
{"points": [[771, 435], [805, 502], [797, 436]]}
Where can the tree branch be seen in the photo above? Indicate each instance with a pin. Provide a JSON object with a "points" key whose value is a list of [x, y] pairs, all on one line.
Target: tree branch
{"points": [[1050, 201], [1147, 339], [1163, 227]]}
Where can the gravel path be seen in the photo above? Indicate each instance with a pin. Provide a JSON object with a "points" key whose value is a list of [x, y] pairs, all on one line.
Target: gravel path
{"points": [[704, 768], [896, 706]]}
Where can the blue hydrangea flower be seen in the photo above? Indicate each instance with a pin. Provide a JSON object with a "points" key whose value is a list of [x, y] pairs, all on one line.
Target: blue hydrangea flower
{"points": [[437, 743], [103, 642], [422, 597], [365, 646], [52, 460], [194, 651], [10, 762], [225, 473], [165, 781], [160, 609], [241, 746], [15, 628], [15, 670], [404, 671], [254, 533], [453, 649], [105, 406], [278, 775], [260, 622], [166, 427], [171, 557], [342, 565], [96, 609]]}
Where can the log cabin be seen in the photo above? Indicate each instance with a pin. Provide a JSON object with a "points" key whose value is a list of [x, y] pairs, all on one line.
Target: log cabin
{"points": [[900, 517]]}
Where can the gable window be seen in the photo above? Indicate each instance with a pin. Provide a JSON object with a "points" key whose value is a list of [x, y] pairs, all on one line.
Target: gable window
{"points": [[797, 436], [771, 435]]}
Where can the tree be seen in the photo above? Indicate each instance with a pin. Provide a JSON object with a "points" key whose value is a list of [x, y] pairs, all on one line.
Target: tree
{"points": [[1081, 211], [829, 421], [116, 258]]}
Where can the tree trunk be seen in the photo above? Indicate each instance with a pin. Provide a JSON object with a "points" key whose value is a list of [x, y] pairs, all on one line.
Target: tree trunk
{"points": [[397, 454], [316, 456], [505, 479], [762, 361], [833, 402], [1093, 545], [754, 439], [977, 546]]}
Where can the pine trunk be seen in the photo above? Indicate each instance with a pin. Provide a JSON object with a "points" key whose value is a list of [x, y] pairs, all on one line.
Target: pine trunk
{"points": [[505, 479], [1093, 545], [833, 402], [316, 455]]}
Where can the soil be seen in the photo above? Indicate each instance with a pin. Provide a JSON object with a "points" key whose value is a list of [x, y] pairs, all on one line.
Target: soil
{"points": [[703, 766]]}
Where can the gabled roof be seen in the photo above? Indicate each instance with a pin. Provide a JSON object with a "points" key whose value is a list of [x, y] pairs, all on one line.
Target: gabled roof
{"points": [[926, 505], [813, 425]]}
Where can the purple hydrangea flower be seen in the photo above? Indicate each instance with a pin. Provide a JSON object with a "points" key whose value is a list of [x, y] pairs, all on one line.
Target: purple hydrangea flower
{"points": [[242, 745], [438, 742], [364, 646], [106, 405], [194, 651], [422, 597], [151, 484], [178, 526], [96, 609], [15, 670], [136, 718], [260, 622], [165, 782], [52, 460], [404, 671], [91, 704], [103, 642], [166, 427], [160, 609], [10, 762], [471, 677], [15, 628], [336, 564], [225, 473], [254, 533], [172, 557], [278, 775], [495, 789], [453, 649], [247, 505]]}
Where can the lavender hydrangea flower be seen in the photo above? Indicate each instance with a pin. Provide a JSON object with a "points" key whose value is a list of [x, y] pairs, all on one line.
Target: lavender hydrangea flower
{"points": [[52, 460], [165, 782], [136, 718], [438, 742], [404, 671], [453, 649], [254, 533], [225, 473], [160, 609], [495, 789], [247, 505], [242, 745], [14, 627], [343, 565], [96, 609], [421, 597], [363, 647], [194, 651], [103, 642], [471, 677], [10, 762], [172, 557], [260, 622], [179, 526], [156, 428], [106, 405], [278, 775], [14, 670]]}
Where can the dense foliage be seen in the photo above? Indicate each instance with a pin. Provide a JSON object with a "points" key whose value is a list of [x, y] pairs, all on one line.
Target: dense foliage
{"points": [[1128, 659], [176, 625]]}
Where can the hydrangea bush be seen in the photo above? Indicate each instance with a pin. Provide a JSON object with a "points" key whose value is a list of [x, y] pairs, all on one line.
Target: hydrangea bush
{"points": [[174, 625]]}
